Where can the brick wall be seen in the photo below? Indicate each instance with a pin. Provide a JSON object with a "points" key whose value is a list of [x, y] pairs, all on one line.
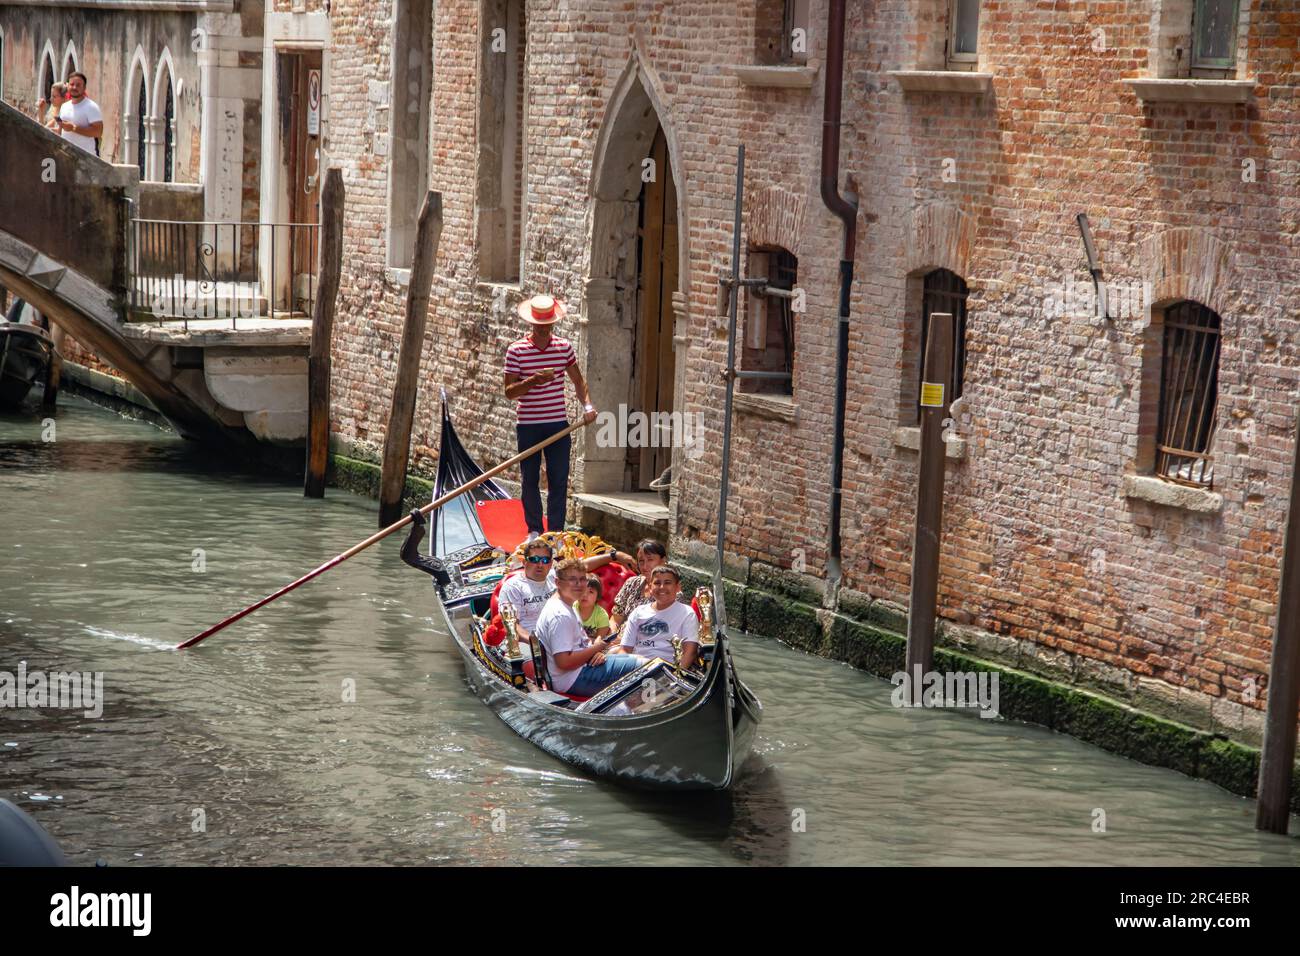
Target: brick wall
{"points": [[1041, 541]]}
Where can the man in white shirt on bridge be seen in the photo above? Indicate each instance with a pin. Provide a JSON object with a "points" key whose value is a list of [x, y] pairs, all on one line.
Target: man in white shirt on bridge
{"points": [[79, 117]]}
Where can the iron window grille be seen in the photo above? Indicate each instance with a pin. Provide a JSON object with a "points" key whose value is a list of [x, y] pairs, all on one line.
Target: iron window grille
{"points": [[1214, 34], [944, 291], [1189, 390]]}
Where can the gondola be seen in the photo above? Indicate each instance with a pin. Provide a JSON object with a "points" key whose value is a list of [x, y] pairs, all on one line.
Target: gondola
{"points": [[656, 728], [25, 352]]}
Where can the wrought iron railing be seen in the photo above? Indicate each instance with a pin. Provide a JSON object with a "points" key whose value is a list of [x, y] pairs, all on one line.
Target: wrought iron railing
{"points": [[221, 270]]}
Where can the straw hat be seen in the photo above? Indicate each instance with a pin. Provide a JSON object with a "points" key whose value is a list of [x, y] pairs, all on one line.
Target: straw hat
{"points": [[542, 310]]}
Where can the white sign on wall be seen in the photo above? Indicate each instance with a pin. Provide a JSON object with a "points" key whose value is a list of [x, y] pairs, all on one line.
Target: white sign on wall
{"points": [[313, 103]]}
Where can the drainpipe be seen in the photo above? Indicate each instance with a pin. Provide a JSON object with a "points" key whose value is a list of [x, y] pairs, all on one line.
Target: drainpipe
{"points": [[847, 210]]}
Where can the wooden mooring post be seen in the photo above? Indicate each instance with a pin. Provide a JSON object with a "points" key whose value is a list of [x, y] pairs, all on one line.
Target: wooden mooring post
{"points": [[397, 438], [936, 389], [322, 329], [53, 371], [1277, 757]]}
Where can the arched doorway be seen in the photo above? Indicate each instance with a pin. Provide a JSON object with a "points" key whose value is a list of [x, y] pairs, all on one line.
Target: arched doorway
{"points": [[633, 290]]}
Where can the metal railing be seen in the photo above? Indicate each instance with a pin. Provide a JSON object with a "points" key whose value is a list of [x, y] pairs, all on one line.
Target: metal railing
{"points": [[221, 270]]}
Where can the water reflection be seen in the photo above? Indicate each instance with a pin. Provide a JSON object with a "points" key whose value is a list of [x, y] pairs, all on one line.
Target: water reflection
{"points": [[253, 729]]}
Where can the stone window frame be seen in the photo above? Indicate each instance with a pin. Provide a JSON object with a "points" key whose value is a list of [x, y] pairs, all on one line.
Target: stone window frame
{"points": [[70, 55], [1182, 265], [774, 25], [758, 264], [937, 235], [774, 219], [137, 80], [496, 269], [952, 59], [155, 157], [402, 215], [1173, 32], [43, 74]]}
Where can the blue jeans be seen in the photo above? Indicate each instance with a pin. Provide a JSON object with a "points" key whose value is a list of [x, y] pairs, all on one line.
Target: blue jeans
{"points": [[557, 475], [592, 680]]}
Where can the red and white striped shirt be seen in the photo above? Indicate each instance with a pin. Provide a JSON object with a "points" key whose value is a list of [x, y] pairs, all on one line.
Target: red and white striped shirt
{"points": [[541, 403]]}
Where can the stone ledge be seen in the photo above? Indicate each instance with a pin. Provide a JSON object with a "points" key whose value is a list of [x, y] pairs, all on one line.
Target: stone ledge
{"points": [[943, 81], [1151, 90], [777, 408], [1171, 495], [778, 77], [205, 333], [910, 437]]}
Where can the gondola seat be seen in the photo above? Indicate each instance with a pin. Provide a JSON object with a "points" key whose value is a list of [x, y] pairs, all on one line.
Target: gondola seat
{"points": [[530, 674]]}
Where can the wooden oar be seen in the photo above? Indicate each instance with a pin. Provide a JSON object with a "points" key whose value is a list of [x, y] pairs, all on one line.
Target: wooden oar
{"points": [[380, 535]]}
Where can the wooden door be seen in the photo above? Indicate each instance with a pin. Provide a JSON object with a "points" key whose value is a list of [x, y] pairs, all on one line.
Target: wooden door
{"points": [[307, 87], [654, 360]]}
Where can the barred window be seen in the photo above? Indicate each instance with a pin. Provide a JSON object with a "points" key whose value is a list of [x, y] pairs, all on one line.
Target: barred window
{"points": [[944, 291], [1189, 390], [1214, 34], [769, 323]]}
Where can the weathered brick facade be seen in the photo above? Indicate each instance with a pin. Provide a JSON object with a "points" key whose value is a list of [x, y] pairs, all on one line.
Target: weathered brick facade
{"points": [[1053, 539], [1042, 542]]}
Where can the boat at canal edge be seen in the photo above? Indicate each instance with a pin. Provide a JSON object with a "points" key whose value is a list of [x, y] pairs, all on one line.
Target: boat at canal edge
{"points": [[25, 352], [697, 742]]}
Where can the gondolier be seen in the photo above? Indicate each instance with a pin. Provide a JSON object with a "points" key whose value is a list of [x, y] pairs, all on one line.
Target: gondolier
{"points": [[534, 370]]}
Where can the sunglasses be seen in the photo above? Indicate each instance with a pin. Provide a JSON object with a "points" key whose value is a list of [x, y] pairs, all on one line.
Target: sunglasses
{"points": [[538, 559]]}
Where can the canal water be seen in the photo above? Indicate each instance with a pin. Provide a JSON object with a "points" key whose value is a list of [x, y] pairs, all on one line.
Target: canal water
{"points": [[119, 540]]}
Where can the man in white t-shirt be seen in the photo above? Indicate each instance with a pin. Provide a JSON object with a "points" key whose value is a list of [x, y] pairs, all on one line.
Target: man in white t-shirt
{"points": [[650, 628], [79, 117], [527, 593], [578, 666]]}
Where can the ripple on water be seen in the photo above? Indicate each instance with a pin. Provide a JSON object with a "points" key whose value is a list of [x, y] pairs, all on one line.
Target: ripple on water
{"points": [[407, 767]]}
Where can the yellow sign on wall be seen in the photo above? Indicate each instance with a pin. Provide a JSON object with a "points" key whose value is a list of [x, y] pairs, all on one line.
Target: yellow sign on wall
{"points": [[932, 394]]}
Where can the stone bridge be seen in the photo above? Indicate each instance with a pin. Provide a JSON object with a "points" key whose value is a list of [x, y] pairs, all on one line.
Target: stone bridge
{"points": [[65, 247]]}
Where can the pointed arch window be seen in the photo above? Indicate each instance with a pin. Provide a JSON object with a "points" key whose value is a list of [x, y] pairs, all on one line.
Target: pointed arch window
{"points": [[141, 112], [169, 132], [47, 77]]}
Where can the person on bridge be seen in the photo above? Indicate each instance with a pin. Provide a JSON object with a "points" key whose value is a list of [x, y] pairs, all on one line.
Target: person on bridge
{"points": [[80, 118], [49, 112], [534, 365]]}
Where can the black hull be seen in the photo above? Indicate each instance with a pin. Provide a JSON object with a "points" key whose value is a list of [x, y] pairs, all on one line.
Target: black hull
{"points": [[24, 354], [697, 743]]}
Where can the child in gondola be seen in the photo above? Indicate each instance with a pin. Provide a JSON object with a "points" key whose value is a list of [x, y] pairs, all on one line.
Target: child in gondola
{"points": [[595, 620], [650, 628]]}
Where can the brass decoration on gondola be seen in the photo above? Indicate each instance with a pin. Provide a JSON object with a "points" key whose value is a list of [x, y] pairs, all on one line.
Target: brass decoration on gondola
{"points": [[511, 618], [569, 544], [704, 599]]}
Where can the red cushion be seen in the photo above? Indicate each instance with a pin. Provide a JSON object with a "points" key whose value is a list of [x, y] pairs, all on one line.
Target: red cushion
{"points": [[612, 577], [503, 522]]}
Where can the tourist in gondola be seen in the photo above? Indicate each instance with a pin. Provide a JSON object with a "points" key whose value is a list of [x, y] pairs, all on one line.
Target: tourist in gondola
{"points": [[527, 593], [635, 591], [651, 627], [534, 370], [579, 667], [595, 619]]}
